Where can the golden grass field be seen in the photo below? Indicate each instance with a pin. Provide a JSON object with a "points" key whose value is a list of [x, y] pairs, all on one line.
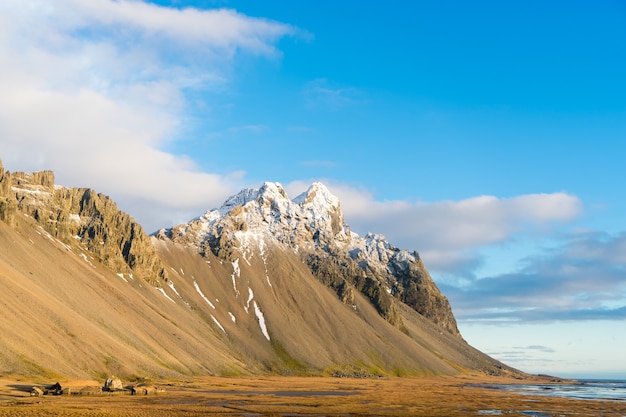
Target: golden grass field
{"points": [[305, 396]]}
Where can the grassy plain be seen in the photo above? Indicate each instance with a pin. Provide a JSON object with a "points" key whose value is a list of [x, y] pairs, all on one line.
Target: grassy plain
{"points": [[305, 396]]}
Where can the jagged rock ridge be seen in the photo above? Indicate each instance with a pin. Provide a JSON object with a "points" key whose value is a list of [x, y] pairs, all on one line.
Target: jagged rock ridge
{"points": [[312, 224], [81, 216]]}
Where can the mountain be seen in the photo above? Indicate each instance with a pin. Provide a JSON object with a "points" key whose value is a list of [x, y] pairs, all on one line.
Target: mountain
{"points": [[312, 226], [261, 285]]}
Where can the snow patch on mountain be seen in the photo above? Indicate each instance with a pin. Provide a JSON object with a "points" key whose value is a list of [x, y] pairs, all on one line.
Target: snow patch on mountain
{"points": [[261, 318], [236, 274], [171, 285], [86, 259], [218, 323], [162, 291], [199, 291], [250, 298], [262, 246]]}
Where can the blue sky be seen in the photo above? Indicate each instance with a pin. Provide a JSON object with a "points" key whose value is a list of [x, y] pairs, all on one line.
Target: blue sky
{"points": [[489, 136]]}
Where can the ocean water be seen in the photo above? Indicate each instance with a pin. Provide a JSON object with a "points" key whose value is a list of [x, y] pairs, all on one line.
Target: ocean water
{"points": [[585, 389]]}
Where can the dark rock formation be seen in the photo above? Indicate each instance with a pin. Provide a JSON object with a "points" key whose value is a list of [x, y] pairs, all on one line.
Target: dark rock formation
{"points": [[110, 234], [81, 215]]}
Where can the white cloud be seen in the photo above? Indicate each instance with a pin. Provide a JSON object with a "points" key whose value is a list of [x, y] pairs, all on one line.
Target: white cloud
{"points": [[569, 276], [581, 278], [459, 224], [95, 90], [216, 28]]}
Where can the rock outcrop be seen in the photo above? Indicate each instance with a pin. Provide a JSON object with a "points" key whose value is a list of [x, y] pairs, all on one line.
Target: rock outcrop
{"points": [[313, 225], [8, 205], [81, 216], [113, 383]]}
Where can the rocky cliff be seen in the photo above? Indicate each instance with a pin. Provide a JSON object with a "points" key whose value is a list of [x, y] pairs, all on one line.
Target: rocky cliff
{"points": [[84, 217], [313, 226], [8, 205]]}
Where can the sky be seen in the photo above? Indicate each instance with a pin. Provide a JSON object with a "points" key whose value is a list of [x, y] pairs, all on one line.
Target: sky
{"points": [[489, 136]]}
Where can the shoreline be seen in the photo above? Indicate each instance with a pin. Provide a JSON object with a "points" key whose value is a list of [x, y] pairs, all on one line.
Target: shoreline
{"points": [[306, 396]]}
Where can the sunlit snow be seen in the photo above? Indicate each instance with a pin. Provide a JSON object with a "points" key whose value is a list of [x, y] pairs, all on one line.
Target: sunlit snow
{"points": [[250, 297], [171, 284], [244, 245], [236, 271], [261, 242], [32, 192], [195, 284], [165, 294], [82, 255], [218, 323], [259, 315]]}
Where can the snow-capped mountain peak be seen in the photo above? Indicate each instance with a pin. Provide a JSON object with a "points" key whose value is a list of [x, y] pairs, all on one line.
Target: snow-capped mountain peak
{"points": [[269, 205], [312, 224], [317, 198]]}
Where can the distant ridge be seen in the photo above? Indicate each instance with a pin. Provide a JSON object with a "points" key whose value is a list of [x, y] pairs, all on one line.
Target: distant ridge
{"points": [[261, 285]]}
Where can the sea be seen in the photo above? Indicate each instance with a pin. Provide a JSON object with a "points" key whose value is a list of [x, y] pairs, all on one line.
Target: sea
{"points": [[584, 389]]}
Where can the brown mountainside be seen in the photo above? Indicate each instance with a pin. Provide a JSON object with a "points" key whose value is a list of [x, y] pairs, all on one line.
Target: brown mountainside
{"points": [[87, 293]]}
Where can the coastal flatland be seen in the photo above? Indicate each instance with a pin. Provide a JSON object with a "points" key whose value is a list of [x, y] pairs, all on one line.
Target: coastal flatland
{"points": [[306, 396]]}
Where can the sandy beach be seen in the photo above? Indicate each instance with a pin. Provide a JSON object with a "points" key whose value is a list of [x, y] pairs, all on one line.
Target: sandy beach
{"points": [[305, 396]]}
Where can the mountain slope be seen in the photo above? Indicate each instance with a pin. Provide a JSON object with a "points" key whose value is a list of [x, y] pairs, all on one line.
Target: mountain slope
{"points": [[277, 251], [64, 313], [273, 309], [261, 285]]}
